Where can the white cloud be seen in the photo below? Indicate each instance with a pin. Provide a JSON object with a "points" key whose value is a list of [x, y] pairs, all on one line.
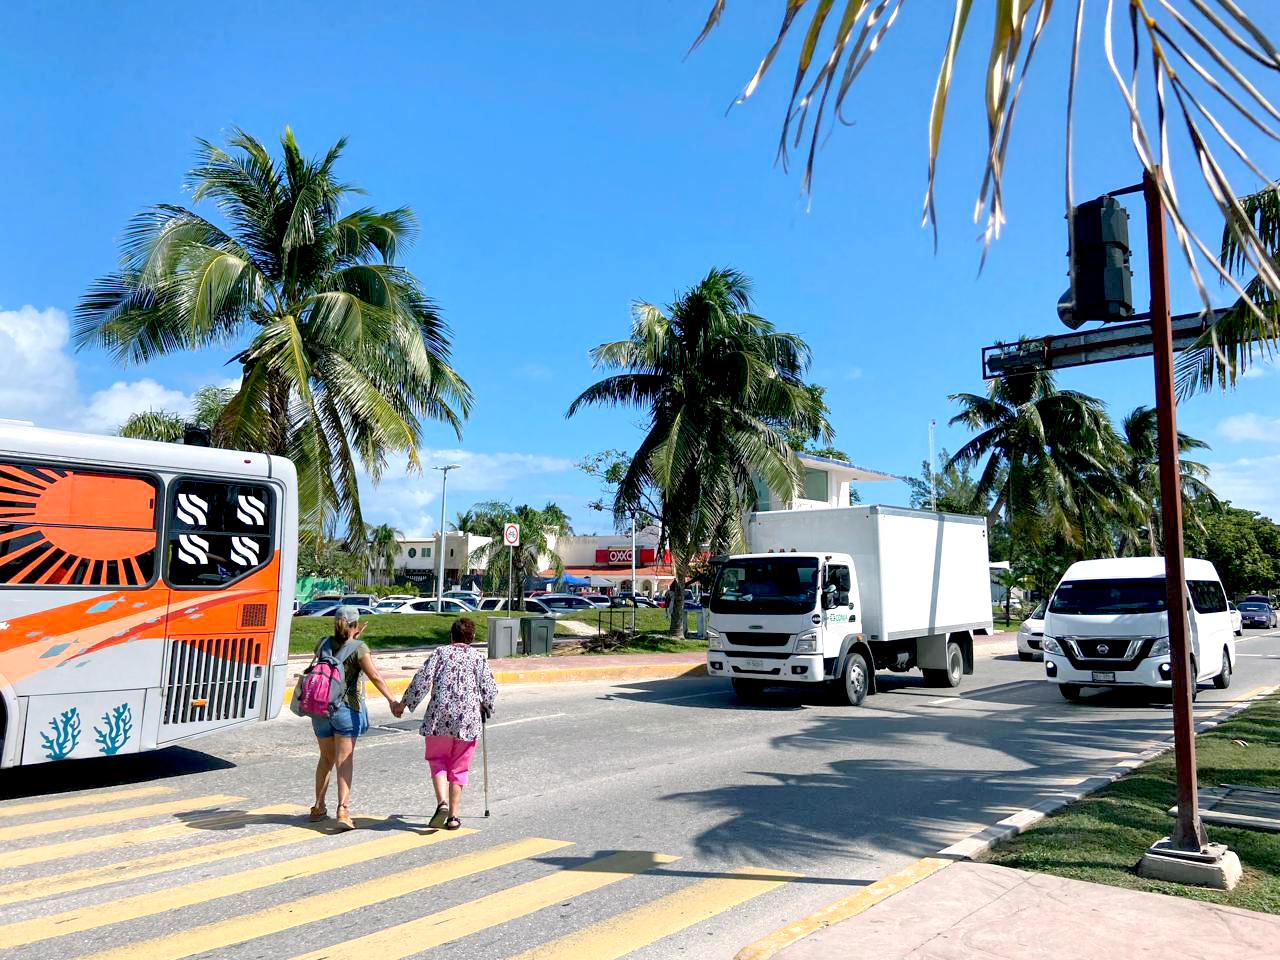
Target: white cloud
{"points": [[1249, 483], [42, 377], [1261, 366], [1250, 426], [109, 408]]}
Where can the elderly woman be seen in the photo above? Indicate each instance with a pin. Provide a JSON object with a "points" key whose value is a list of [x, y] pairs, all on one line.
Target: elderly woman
{"points": [[337, 734], [462, 695]]}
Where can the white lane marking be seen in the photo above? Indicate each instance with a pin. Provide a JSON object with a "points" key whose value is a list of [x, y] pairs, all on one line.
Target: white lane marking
{"points": [[692, 696], [507, 723]]}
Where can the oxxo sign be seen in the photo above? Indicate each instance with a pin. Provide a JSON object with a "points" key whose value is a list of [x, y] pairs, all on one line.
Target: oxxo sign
{"points": [[615, 555]]}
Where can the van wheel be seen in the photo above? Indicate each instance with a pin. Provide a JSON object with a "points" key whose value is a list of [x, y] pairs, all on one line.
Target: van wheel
{"points": [[748, 691], [1070, 691], [951, 676], [1223, 679], [856, 681]]}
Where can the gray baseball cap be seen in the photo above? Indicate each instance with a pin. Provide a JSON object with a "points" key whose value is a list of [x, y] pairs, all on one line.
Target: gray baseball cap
{"points": [[348, 613]]}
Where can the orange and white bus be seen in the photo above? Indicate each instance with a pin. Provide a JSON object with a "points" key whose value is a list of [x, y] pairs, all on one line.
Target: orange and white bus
{"points": [[146, 591]]}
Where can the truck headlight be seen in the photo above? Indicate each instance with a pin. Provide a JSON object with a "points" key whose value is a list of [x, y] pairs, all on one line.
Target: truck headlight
{"points": [[1160, 648], [1052, 646], [807, 642], [715, 641]]}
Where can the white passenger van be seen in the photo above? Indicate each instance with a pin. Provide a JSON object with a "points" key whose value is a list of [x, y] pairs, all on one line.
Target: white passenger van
{"points": [[1106, 626]]}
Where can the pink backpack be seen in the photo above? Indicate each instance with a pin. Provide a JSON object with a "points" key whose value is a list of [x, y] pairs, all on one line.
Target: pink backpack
{"points": [[324, 683]]}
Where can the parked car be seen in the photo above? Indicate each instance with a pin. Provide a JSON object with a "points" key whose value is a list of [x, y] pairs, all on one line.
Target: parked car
{"points": [[1237, 626], [690, 601], [328, 609], [492, 603], [1257, 613], [598, 600], [471, 599], [390, 605], [312, 607], [640, 599], [1031, 636], [536, 606], [563, 603], [360, 599], [431, 605]]}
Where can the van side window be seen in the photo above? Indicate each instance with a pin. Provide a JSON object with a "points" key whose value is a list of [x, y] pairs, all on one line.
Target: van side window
{"points": [[1208, 596], [218, 532], [63, 526]]}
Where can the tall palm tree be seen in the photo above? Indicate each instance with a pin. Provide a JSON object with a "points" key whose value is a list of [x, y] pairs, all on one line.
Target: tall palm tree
{"points": [[464, 521], [384, 546], [539, 529], [1142, 474], [168, 426], [343, 355], [721, 388]]}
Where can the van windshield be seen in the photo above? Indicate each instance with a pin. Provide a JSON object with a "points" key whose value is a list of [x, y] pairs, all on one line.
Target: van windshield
{"points": [[1085, 597], [765, 585]]}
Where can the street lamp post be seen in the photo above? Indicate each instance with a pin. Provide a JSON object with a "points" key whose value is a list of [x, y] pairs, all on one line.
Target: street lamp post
{"points": [[634, 591], [933, 480], [444, 483]]}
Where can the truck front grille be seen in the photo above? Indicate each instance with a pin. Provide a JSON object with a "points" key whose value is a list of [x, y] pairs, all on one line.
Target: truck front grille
{"points": [[757, 639]]}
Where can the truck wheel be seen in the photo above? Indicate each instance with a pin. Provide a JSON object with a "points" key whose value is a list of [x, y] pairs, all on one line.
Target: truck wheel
{"points": [[1070, 691], [856, 681], [748, 691], [949, 677], [1223, 680]]}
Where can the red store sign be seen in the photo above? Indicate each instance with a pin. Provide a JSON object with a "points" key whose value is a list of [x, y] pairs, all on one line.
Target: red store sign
{"points": [[618, 555]]}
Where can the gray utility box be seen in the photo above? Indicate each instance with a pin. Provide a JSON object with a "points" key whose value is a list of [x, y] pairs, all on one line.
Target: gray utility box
{"points": [[504, 637], [536, 634]]}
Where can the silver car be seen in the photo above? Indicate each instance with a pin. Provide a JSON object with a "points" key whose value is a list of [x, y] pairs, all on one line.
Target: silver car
{"points": [[1031, 636]]}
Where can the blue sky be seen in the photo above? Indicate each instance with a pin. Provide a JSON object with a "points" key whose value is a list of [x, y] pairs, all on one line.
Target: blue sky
{"points": [[565, 160]]}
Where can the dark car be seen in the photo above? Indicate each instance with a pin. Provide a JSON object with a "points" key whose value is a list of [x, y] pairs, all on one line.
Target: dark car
{"points": [[640, 600], [1256, 613]]}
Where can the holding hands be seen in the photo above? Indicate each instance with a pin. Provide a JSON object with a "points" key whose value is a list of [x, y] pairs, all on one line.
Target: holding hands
{"points": [[397, 708]]}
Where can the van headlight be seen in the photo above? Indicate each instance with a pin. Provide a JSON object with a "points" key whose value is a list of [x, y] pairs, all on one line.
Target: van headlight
{"points": [[715, 640], [1052, 646], [807, 642], [1160, 648]]}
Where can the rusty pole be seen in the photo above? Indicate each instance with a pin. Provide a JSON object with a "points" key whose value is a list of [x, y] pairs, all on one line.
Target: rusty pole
{"points": [[1189, 832]]}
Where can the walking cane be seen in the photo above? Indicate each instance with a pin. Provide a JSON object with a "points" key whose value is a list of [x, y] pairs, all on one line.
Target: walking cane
{"points": [[484, 759]]}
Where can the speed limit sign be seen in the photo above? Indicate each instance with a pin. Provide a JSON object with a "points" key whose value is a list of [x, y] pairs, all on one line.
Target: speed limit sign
{"points": [[511, 534]]}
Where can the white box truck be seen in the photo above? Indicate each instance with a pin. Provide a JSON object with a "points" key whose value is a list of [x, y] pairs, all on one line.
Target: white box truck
{"points": [[830, 596]]}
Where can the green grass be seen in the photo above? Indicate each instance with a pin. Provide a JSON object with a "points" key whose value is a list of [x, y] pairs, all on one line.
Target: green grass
{"points": [[1101, 837], [648, 619]]}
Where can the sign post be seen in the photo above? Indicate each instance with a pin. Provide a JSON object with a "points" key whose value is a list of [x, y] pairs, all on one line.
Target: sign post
{"points": [[634, 591], [511, 537]]}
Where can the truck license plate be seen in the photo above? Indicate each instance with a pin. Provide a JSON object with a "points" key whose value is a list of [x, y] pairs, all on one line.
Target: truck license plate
{"points": [[755, 664], [1104, 676]]}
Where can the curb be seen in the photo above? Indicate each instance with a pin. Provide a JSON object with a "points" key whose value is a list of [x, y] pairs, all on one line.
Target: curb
{"points": [[973, 845]]}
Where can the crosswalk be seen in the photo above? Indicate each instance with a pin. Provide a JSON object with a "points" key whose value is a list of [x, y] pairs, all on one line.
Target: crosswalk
{"points": [[140, 874]]}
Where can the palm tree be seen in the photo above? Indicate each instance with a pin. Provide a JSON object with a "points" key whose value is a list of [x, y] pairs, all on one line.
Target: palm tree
{"points": [[384, 546], [721, 388], [1142, 474], [1183, 43], [539, 529], [345, 355], [167, 426], [465, 521]]}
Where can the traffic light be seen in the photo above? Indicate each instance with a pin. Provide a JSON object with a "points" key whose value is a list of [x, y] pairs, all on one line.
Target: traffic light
{"points": [[1101, 281]]}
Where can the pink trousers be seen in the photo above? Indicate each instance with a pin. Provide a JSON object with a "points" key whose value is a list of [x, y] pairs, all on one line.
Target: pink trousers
{"points": [[450, 757]]}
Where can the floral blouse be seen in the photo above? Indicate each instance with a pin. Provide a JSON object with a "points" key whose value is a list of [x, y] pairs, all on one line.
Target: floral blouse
{"points": [[460, 682]]}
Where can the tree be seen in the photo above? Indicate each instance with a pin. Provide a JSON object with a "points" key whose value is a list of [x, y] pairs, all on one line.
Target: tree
{"points": [[168, 426], [384, 547], [1243, 546], [346, 356], [464, 521], [1204, 35], [721, 388], [957, 492], [610, 467], [539, 529]]}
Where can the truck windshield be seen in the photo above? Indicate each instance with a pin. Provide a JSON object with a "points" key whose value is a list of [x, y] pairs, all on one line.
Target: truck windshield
{"points": [[766, 585], [1109, 596]]}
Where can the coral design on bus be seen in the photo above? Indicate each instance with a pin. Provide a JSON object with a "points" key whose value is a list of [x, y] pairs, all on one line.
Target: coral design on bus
{"points": [[66, 734], [119, 724], [60, 526]]}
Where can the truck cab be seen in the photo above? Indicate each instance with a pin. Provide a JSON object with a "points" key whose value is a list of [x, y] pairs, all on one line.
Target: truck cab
{"points": [[787, 618]]}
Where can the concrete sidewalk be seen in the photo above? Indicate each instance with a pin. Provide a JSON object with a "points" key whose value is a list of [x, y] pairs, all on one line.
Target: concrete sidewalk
{"points": [[975, 911]]}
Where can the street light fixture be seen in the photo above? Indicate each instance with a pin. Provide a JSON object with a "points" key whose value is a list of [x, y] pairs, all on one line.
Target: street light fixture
{"points": [[444, 483]]}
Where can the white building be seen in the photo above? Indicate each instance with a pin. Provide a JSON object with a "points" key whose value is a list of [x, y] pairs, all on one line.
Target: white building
{"points": [[418, 556]]}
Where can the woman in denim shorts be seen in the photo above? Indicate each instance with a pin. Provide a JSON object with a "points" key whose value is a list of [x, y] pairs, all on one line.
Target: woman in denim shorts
{"points": [[337, 734]]}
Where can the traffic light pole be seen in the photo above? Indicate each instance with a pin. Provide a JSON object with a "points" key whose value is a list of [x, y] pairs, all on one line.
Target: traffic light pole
{"points": [[1189, 833]]}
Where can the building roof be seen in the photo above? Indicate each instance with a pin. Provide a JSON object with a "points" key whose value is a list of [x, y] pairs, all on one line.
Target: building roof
{"points": [[846, 470]]}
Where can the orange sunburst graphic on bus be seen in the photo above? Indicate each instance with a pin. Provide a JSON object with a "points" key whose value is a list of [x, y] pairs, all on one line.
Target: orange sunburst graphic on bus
{"points": [[61, 526]]}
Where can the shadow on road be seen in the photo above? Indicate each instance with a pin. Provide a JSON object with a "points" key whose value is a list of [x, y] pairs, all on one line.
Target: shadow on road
{"points": [[71, 775]]}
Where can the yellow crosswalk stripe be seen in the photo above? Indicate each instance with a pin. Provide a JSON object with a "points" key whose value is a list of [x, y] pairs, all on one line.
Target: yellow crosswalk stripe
{"points": [[322, 906], [97, 876], [64, 849], [406, 939], [80, 800], [38, 828], [628, 932], [212, 888]]}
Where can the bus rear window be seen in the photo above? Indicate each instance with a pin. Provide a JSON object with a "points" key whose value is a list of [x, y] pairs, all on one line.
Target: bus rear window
{"points": [[1085, 597]]}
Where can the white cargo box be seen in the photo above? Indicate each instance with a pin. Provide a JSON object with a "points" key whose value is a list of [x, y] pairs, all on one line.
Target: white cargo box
{"points": [[918, 572]]}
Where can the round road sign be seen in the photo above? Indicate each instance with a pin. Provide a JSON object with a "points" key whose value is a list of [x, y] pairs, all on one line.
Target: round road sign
{"points": [[511, 534]]}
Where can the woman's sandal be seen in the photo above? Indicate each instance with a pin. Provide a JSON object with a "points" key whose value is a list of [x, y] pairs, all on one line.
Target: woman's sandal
{"points": [[318, 814], [439, 817], [453, 823], [344, 818]]}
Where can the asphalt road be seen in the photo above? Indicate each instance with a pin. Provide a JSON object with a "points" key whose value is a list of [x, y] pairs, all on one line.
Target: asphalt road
{"points": [[837, 796]]}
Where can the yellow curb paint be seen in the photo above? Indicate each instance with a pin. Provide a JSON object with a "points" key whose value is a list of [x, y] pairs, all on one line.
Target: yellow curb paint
{"points": [[343, 898], [25, 831], [25, 856], [850, 906], [406, 939], [212, 888], [73, 880], [80, 800], [628, 932]]}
